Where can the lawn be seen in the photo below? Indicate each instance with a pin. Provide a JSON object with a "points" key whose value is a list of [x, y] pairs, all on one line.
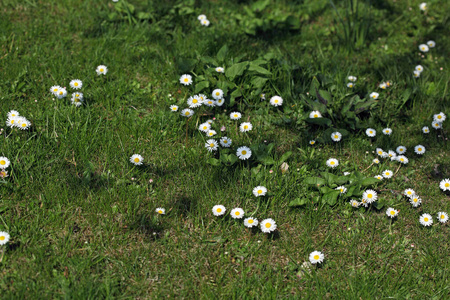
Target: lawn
{"points": [[82, 218]]}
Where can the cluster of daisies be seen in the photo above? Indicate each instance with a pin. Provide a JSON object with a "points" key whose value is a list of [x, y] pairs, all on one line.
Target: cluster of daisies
{"points": [[16, 120], [423, 48], [61, 92], [4, 164], [203, 20], [438, 119]]}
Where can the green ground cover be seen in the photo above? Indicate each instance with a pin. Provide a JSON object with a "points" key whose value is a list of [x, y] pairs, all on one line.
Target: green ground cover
{"points": [[82, 218]]}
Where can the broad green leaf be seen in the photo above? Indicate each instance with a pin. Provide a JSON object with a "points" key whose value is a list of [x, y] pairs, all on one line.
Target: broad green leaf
{"points": [[319, 121], [314, 181], [201, 85], [236, 70], [186, 64], [331, 197], [258, 82], [222, 54], [298, 202], [369, 181], [315, 84], [259, 69], [341, 180], [284, 157], [362, 106], [213, 161], [330, 178], [326, 96]]}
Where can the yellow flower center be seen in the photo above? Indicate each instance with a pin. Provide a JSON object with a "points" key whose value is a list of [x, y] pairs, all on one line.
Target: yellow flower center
{"points": [[268, 225], [259, 191], [331, 162], [2, 162], [244, 152], [24, 124], [312, 143], [2, 238], [276, 101], [211, 145], [237, 213], [61, 92], [442, 216], [392, 212], [420, 149], [245, 127], [374, 96], [225, 141], [76, 100], [235, 115], [336, 136], [371, 132], [316, 115], [75, 84], [194, 101], [415, 199], [425, 219], [369, 196], [250, 221], [136, 159], [316, 257], [447, 184], [219, 210], [401, 159], [174, 108], [160, 212], [217, 93], [342, 190], [439, 117], [186, 113], [101, 70], [186, 80]]}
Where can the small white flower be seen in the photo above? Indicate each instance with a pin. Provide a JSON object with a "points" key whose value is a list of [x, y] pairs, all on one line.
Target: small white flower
{"points": [[392, 154], [419, 68], [205, 22], [342, 189], [201, 17], [350, 85], [332, 163], [352, 78], [235, 115], [54, 90], [423, 6], [371, 132], [382, 85], [217, 94], [419, 149], [379, 177], [220, 70], [211, 133], [263, 97], [431, 44], [370, 196], [425, 129], [402, 159], [276, 101], [225, 142], [220, 102], [415, 201], [259, 191], [211, 145], [76, 84], [440, 117], [160, 211], [268, 225], [315, 114], [437, 125], [416, 74], [374, 95], [218, 210], [409, 193], [336, 136], [246, 126], [387, 131], [4, 237], [136, 159], [316, 257], [426, 220], [174, 108], [187, 112], [243, 153], [354, 203], [186, 79], [101, 70], [391, 213], [209, 102], [423, 48], [237, 213], [250, 222], [62, 92], [387, 173], [443, 185], [312, 142], [442, 217], [194, 101], [204, 127], [4, 162], [401, 149], [376, 161]]}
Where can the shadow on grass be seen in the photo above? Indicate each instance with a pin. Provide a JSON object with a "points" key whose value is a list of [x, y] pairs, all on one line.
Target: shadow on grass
{"points": [[148, 225]]}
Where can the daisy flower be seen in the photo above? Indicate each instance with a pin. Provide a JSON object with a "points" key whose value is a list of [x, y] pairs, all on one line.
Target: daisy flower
{"points": [[440, 117], [350, 84], [4, 237], [205, 22], [342, 189], [364, 203], [101, 70], [220, 102], [263, 97], [211, 133], [387, 131], [415, 201], [12, 121], [379, 151], [387, 173], [276, 101], [246, 126], [201, 17], [391, 213], [425, 129], [235, 115], [194, 101], [423, 6], [217, 94], [186, 79], [160, 211], [442, 217], [316, 257], [332, 163], [187, 112], [259, 191], [225, 142], [379, 177], [243, 152], [419, 149], [3, 173], [237, 213], [209, 121], [352, 78], [401, 149], [218, 210], [416, 74], [204, 127], [24, 124], [54, 89], [174, 108], [76, 101], [392, 154], [403, 159], [382, 85], [376, 161], [370, 196], [77, 95], [426, 220], [409, 193], [315, 114], [136, 159], [76, 84], [250, 222], [374, 95], [336, 136], [371, 132], [220, 70], [354, 203], [268, 225], [443, 185], [431, 44], [4, 162], [62, 92], [211, 145], [312, 142], [202, 97], [209, 102], [423, 48], [419, 68], [436, 125]]}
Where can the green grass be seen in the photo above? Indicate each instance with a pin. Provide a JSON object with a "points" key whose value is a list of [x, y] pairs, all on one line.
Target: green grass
{"points": [[82, 218]]}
